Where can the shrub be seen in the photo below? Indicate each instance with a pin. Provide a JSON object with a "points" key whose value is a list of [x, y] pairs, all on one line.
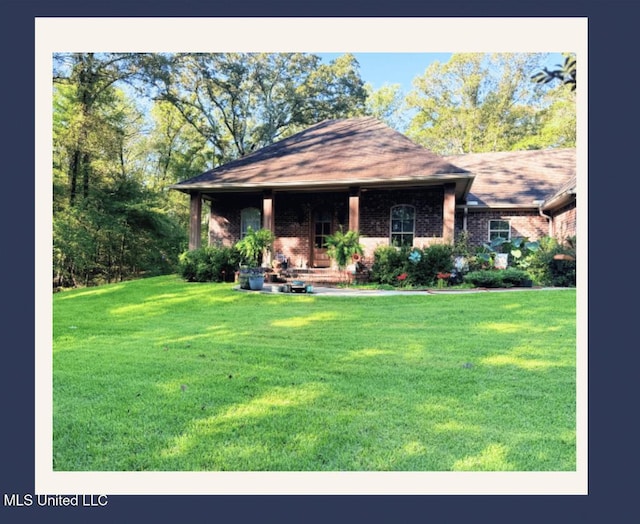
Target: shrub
{"points": [[388, 264], [554, 263], [484, 278], [437, 258], [411, 266], [494, 278], [209, 264]]}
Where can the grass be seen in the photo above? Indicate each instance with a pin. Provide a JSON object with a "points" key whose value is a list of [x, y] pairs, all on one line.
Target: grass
{"points": [[163, 375]]}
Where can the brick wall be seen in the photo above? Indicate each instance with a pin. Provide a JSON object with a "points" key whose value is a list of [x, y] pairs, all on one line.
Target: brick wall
{"points": [[375, 216], [294, 211], [375, 211], [564, 222], [523, 224], [293, 219], [224, 219]]}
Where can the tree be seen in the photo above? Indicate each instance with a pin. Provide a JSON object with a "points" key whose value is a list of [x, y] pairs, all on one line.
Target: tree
{"points": [[555, 124], [476, 103], [128, 125], [565, 72], [89, 79], [107, 223], [239, 102], [387, 105]]}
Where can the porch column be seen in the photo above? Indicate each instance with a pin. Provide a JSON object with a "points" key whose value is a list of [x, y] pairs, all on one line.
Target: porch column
{"points": [[268, 219], [354, 209], [195, 220], [449, 213]]}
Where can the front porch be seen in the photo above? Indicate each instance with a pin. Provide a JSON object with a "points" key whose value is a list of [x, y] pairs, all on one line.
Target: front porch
{"points": [[301, 220]]}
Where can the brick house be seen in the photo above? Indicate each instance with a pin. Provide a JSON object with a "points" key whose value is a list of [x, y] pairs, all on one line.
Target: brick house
{"points": [[519, 194], [361, 175]]}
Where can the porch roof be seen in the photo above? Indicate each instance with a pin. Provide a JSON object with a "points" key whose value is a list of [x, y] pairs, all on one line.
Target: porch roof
{"points": [[361, 152]]}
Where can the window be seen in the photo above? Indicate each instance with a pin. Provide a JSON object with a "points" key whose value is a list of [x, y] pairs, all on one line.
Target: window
{"points": [[322, 229], [249, 218], [499, 229], [403, 224]]}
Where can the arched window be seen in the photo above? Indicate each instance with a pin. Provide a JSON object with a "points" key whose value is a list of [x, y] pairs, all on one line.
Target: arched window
{"points": [[249, 218], [403, 225]]}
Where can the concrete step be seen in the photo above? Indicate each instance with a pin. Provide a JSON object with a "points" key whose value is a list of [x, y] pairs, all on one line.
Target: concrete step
{"points": [[316, 276]]}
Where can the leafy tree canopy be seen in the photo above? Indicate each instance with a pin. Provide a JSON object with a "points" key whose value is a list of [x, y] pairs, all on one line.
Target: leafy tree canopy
{"points": [[478, 102]]}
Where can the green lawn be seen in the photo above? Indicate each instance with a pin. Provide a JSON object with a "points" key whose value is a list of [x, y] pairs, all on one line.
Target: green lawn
{"points": [[164, 375]]}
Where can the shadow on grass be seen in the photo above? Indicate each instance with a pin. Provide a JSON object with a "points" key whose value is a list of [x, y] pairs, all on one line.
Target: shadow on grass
{"points": [[182, 377]]}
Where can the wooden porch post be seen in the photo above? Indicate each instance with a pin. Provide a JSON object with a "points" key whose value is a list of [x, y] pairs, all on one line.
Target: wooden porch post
{"points": [[195, 220], [354, 209], [268, 218], [449, 213]]}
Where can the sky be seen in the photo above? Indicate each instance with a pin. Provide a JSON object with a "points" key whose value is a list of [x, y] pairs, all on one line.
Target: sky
{"points": [[379, 69]]}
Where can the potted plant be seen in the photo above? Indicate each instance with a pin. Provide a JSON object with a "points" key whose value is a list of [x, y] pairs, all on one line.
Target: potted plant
{"points": [[344, 248], [252, 248]]}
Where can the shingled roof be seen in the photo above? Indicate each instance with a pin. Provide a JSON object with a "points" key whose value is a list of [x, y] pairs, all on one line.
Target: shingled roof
{"points": [[518, 178], [354, 151]]}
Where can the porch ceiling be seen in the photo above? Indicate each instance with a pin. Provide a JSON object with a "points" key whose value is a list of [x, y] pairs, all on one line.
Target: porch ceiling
{"points": [[462, 186]]}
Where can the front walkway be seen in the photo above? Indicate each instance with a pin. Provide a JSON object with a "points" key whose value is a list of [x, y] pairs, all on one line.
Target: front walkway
{"points": [[355, 292]]}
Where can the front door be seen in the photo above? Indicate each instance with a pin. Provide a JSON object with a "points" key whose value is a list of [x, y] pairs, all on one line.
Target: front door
{"points": [[322, 228]]}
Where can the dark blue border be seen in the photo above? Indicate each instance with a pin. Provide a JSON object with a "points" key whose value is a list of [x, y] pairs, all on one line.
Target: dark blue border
{"points": [[612, 351]]}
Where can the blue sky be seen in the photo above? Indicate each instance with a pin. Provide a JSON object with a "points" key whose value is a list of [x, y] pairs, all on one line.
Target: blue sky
{"points": [[401, 68]]}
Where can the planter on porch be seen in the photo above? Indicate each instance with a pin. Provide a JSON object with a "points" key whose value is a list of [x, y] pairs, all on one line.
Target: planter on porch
{"points": [[256, 282], [251, 278]]}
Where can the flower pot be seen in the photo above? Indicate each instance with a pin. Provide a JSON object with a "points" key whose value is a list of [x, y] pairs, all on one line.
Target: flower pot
{"points": [[243, 279], [256, 282]]}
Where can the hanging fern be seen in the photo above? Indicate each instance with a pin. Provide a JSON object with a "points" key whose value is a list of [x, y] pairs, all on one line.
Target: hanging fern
{"points": [[342, 247]]}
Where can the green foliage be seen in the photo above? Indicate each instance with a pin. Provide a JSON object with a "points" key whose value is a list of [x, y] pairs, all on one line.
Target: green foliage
{"points": [[565, 72], [486, 253], [497, 278], [519, 251], [253, 245], [407, 266], [164, 375], [424, 264], [209, 264], [437, 258], [554, 264], [462, 246], [240, 102], [108, 224], [342, 246], [388, 264], [477, 102], [387, 105], [113, 237]]}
